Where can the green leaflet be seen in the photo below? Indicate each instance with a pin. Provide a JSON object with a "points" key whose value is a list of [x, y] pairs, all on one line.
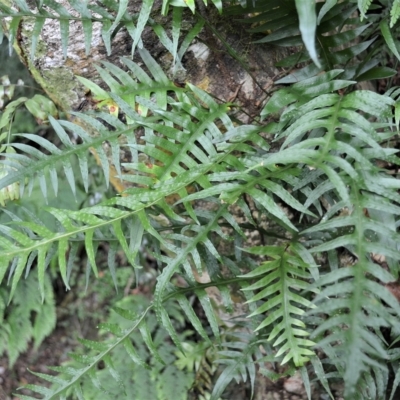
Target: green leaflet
{"points": [[387, 35], [308, 23]]}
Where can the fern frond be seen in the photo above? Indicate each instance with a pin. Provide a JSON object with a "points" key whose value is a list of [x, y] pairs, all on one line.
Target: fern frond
{"points": [[238, 358], [110, 21], [394, 13], [335, 46], [278, 280], [139, 335], [358, 306], [355, 306], [75, 374], [112, 15], [363, 6], [124, 86], [31, 163], [171, 179], [18, 327], [198, 236], [333, 121]]}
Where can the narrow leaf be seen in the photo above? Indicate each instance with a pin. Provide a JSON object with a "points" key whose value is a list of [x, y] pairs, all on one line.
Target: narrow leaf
{"points": [[308, 26]]}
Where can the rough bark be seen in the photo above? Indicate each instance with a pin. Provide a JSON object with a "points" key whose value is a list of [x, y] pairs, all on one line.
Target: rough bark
{"points": [[207, 63]]}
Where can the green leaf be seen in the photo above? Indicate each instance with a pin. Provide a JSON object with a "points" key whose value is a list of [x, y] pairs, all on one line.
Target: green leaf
{"points": [[308, 25], [387, 35], [376, 73], [269, 204], [39, 22], [319, 371], [122, 7], [209, 311], [146, 335], [64, 31], [133, 354], [144, 15], [12, 33], [327, 6], [8, 114]]}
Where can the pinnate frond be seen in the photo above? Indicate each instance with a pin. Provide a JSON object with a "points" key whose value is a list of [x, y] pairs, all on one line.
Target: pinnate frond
{"points": [[110, 14], [359, 304], [103, 353], [31, 163], [394, 13], [279, 280], [321, 31], [237, 357]]}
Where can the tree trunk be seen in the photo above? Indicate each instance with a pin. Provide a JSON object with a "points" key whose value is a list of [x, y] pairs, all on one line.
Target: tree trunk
{"points": [[209, 63]]}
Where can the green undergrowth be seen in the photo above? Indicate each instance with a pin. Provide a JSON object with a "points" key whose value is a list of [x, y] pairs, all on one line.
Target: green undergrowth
{"points": [[314, 175]]}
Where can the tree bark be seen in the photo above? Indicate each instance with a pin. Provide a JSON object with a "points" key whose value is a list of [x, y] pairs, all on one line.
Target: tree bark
{"points": [[207, 63]]}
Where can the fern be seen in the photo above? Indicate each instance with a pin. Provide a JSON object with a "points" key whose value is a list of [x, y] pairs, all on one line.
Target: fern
{"points": [[331, 118], [356, 232], [394, 13], [112, 15], [136, 335], [330, 44], [365, 297], [157, 380], [239, 362], [278, 277], [192, 167], [17, 326], [363, 6]]}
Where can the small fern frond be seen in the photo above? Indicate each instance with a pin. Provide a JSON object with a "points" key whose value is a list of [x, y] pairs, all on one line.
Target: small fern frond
{"points": [[177, 51], [394, 13], [278, 280], [18, 326], [124, 86], [103, 353], [337, 36], [237, 357], [31, 163], [110, 21], [363, 6]]}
